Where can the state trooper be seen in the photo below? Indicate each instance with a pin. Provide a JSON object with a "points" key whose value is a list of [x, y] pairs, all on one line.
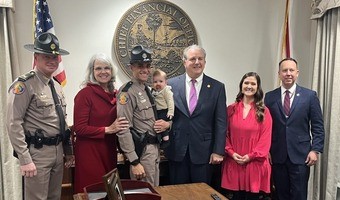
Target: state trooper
{"points": [[36, 122], [136, 104]]}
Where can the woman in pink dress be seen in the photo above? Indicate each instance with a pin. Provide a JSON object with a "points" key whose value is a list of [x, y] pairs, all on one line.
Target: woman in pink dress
{"points": [[96, 123], [246, 170]]}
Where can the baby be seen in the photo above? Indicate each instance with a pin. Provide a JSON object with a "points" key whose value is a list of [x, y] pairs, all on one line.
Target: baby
{"points": [[164, 101]]}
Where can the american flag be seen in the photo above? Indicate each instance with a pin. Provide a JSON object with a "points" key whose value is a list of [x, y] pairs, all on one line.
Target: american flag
{"points": [[43, 23]]}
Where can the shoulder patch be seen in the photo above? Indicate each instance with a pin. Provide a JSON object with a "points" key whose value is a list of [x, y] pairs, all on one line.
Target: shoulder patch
{"points": [[26, 76], [123, 98], [18, 88]]}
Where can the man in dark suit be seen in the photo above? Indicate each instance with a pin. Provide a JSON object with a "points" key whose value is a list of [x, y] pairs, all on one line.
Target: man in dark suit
{"points": [[298, 133], [198, 134]]}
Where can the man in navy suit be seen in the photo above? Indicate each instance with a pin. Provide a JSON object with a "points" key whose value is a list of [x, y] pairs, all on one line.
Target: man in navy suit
{"points": [[298, 133], [197, 137]]}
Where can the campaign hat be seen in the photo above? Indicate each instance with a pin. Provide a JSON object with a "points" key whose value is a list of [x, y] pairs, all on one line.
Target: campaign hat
{"points": [[140, 54], [46, 43]]}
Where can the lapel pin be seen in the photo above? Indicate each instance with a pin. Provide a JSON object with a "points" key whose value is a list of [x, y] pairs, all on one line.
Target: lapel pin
{"points": [[208, 86], [298, 94]]}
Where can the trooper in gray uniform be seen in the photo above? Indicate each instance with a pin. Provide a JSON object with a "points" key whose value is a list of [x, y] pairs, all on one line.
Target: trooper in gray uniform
{"points": [[137, 106], [36, 128]]}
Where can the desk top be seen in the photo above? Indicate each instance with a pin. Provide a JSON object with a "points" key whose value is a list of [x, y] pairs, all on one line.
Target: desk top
{"points": [[195, 191]]}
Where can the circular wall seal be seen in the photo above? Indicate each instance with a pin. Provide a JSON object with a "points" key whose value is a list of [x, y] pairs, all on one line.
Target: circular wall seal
{"points": [[160, 26]]}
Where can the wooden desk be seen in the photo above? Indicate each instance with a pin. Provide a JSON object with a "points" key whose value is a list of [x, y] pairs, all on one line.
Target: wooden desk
{"points": [[195, 191], [80, 196]]}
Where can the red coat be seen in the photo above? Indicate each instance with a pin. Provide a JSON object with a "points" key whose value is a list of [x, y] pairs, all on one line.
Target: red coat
{"points": [[247, 136], [95, 151]]}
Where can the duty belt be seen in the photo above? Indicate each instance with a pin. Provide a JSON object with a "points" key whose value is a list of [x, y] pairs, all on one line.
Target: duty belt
{"points": [[49, 141], [149, 139]]}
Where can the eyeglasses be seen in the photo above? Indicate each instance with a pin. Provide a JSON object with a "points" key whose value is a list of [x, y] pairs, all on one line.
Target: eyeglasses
{"points": [[99, 69]]}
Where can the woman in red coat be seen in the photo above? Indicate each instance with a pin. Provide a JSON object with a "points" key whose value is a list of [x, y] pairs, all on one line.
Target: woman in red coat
{"points": [[246, 169], [96, 123]]}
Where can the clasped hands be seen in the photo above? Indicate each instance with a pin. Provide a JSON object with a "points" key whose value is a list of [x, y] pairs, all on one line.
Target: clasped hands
{"points": [[241, 160]]}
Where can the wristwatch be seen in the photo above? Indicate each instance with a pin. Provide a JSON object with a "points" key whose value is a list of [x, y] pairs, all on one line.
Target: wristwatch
{"points": [[135, 162]]}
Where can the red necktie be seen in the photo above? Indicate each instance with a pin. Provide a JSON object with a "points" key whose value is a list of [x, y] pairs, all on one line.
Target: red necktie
{"points": [[192, 97], [286, 103]]}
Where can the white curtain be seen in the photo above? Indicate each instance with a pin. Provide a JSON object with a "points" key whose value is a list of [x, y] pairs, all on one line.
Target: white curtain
{"points": [[319, 7], [10, 178], [6, 3], [326, 81]]}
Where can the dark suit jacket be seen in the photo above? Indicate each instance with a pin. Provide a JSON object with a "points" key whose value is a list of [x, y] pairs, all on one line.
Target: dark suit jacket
{"points": [[204, 132], [291, 136]]}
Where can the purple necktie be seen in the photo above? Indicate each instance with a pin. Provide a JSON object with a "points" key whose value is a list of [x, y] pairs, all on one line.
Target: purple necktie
{"points": [[286, 103], [192, 96]]}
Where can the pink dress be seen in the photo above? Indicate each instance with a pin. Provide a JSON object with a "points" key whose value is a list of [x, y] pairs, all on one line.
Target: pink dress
{"points": [[247, 136]]}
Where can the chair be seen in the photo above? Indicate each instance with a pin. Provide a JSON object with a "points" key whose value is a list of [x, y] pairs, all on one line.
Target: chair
{"points": [[93, 191], [113, 186], [68, 176], [118, 190]]}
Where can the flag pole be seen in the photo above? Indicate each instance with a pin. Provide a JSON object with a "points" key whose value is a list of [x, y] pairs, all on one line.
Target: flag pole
{"points": [[285, 51], [285, 47], [34, 17]]}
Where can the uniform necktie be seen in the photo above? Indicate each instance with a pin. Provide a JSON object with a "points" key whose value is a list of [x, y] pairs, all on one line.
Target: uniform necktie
{"points": [[286, 103], [58, 107], [153, 104], [152, 101], [192, 96]]}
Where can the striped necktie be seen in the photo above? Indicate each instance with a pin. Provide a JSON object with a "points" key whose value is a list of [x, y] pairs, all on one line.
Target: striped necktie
{"points": [[286, 103]]}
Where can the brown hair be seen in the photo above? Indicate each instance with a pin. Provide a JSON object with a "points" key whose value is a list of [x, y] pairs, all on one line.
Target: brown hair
{"points": [[159, 72], [258, 96]]}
